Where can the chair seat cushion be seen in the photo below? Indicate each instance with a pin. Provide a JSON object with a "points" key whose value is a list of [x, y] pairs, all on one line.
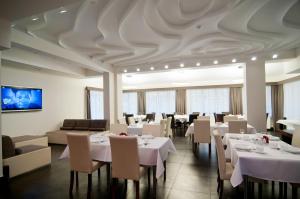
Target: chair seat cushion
{"points": [[28, 148], [25, 138]]}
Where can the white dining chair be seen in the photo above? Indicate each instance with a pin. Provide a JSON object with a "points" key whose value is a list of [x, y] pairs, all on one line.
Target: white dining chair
{"points": [[225, 169], [81, 160], [168, 128], [296, 136], [151, 129], [228, 118], [202, 133], [200, 117], [122, 120], [236, 126], [163, 126], [118, 128], [131, 121], [125, 166]]}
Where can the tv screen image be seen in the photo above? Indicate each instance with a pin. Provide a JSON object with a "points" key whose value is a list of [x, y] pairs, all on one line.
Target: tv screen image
{"points": [[21, 99]]}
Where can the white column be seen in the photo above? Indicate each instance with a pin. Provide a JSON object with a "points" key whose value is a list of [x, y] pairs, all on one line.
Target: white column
{"points": [[255, 93], [4, 44], [108, 97], [112, 92], [118, 96]]}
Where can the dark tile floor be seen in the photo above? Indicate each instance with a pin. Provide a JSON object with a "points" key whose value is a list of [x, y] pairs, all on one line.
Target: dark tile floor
{"points": [[188, 176]]}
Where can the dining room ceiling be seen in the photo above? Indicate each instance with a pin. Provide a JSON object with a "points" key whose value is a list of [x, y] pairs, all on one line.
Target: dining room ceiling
{"points": [[130, 34]]}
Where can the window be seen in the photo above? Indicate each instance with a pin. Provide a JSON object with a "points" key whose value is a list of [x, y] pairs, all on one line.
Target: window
{"points": [[291, 100], [208, 101], [96, 104], [130, 104], [268, 100], [160, 101]]}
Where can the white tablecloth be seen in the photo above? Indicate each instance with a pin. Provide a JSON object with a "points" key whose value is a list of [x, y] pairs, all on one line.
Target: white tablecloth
{"points": [[222, 128], [153, 154], [137, 129], [274, 164]]}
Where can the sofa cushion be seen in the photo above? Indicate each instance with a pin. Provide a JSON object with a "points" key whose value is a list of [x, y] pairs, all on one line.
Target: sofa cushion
{"points": [[98, 125], [25, 138], [82, 125], [8, 147], [68, 124], [28, 148]]}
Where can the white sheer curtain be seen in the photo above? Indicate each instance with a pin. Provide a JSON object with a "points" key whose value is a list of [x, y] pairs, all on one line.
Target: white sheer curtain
{"points": [[160, 101], [208, 101], [268, 100], [130, 103], [292, 100], [96, 103]]}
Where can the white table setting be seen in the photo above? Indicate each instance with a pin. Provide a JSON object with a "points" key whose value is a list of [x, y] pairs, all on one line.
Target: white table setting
{"points": [[252, 156], [137, 129], [221, 127], [153, 151]]}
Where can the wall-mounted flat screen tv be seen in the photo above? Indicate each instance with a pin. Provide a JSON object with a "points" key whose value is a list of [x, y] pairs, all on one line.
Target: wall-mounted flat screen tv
{"points": [[20, 99]]}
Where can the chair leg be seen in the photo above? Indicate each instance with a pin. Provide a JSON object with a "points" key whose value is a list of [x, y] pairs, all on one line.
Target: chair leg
{"points": [[89, 186], [113, 189], [154, 181], [77, 180], [260, 187], [209, 145], [149, 176], [221, 189], [218, 180], [108, 174], [280, 189], [294, 192], [99, 173], [137, 189], [165, 172], [273, 189], [71, 182], [285, 190]]}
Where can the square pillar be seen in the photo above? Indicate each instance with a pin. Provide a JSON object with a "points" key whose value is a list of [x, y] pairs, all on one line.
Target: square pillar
{"points": [[255, 94], [112, 93]]}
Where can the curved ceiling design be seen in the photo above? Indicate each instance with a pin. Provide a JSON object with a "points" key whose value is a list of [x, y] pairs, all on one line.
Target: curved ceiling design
{"points": [[128, 33]]}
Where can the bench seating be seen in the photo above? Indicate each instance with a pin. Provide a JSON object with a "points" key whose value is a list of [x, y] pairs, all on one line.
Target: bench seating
{"points": [[25, 157], [76, 126]]}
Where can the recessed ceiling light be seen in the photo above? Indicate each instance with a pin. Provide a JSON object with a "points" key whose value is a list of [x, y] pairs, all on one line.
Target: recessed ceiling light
{"points": [[34, 18], [166, 66], [12, 25], [151, 68], [253, 58], [125, 71], [137, 69], [233, 60], [62, 11], [198, 64], [182, 65], [216, 62], [275, 56]]}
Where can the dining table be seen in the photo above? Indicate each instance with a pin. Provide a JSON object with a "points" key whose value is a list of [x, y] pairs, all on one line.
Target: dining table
{"points": [[221, 127], [153, 151], [137, 129], [252, 156]]}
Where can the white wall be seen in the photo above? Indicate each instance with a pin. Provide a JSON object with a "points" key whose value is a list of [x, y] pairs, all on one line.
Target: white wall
{"points": [[63, 97]]}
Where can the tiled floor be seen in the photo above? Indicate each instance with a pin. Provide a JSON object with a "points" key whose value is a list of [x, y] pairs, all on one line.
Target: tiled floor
{"points": [[189, 176]]}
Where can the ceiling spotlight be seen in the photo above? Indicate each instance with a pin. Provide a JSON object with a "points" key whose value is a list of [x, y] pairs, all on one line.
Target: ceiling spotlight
{"points": [[166, 66], [253, 58], [34, 18], [125, 71], [62, 11], [233, 60], [151, 68], [216, 62], [137, 69], [182, 65], [198, 64], [275, 56]]}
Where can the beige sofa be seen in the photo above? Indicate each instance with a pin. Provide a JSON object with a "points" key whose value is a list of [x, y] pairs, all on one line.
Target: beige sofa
{"points": [[76, 126], [31, 153]]}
